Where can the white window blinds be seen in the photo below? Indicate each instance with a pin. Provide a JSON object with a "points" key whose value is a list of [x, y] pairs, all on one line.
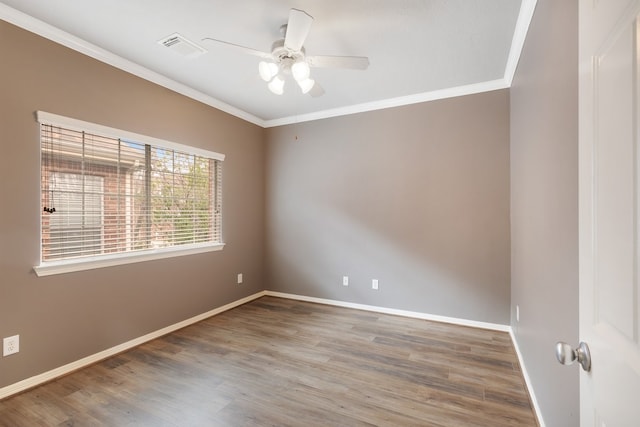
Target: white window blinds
{"points": [[104, 194]]}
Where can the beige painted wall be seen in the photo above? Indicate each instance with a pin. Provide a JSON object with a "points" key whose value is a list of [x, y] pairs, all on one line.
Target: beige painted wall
{"points": [[63, 318], [416, 197], [544, 205]]}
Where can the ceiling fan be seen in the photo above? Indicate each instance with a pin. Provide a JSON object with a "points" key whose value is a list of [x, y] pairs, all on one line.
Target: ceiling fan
{"points": [[288, 57]]}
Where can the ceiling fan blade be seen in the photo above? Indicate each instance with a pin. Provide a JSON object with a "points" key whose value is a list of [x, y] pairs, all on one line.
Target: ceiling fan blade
{"points": [[297, 29], [316, 90], [351, 62], [250, 51]]}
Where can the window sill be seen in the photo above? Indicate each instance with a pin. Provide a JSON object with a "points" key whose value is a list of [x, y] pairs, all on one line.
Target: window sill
{"points": [[69, 266]]}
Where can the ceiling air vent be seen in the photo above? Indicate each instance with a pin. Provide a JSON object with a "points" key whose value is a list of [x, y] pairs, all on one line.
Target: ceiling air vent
{"points": [[181, 45]]}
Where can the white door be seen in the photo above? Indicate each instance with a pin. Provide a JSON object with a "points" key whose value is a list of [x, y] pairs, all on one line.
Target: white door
{"points": [[609, 211]]}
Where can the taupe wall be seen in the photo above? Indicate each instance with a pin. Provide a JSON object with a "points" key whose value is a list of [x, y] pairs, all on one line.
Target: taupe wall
{"points": [[544, 205], [416, 197], [63, 318]]}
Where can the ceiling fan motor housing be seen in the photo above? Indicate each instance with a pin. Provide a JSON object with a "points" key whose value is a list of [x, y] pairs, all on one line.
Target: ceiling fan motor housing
{"points": [[286, 57]]}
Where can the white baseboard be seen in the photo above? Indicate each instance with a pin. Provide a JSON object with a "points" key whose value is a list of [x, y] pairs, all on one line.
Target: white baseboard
{"points": [[527, 380], [89, 360], [425, 316], [404, 313]]}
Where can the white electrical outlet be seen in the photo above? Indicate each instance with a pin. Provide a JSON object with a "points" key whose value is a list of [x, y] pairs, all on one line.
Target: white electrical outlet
{"points": [[239, 278], [517, 313], [374, 284], [10, 345], [345, 280]]}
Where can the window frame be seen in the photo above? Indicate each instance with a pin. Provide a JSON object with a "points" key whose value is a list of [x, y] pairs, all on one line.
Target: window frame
{"points": [[88, 263]]}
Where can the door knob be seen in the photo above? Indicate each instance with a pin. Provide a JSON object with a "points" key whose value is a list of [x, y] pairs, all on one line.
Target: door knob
{"points": [[567, 355]]}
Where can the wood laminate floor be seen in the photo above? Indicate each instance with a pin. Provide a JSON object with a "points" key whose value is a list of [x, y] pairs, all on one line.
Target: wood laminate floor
{"points": [[280, 362]]}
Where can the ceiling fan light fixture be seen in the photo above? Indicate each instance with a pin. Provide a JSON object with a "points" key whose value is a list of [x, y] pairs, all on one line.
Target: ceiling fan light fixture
{"points": [[288, 57], [300, 70], [306, 85], [276, 85], [267, 70]]}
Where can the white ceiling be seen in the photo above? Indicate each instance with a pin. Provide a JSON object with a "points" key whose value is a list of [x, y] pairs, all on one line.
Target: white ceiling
{"points": [[418, 49]]}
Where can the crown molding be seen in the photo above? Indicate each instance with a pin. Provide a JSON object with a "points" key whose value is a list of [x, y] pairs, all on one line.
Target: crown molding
{"points": [[54, 34], [391, 102], [525, 17]]}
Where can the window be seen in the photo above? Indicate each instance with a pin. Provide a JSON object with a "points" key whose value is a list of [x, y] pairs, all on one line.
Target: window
{"points": [[111, 197], [70, 231]]}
